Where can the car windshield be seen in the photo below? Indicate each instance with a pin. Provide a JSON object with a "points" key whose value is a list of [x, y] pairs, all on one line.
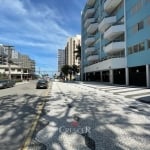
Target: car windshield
{"points": [[42, 81], [2, 81]]}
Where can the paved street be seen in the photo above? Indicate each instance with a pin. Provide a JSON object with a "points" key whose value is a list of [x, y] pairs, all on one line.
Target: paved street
{"points": [[111, 120], [18, 107]]}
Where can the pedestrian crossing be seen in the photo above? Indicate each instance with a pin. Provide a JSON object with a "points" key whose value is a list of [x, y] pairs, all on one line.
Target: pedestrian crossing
{"points": [[126, 91]]}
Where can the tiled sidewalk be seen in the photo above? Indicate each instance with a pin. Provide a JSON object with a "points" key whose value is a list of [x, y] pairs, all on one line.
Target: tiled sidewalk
{"points": [[113, 122]]}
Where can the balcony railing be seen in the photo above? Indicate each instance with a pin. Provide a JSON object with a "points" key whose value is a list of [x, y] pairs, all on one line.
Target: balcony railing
{"points": [[114, 31], [89, 50], [92, 58], [89, 40], [114, 47], [88, 21], [92, 28], [110, 5], [89, 12], [106, 23], [91, 2]]}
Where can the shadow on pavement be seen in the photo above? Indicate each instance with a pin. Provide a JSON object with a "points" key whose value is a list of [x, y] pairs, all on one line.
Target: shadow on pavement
{"points": [[17, 113], [108, 127]]}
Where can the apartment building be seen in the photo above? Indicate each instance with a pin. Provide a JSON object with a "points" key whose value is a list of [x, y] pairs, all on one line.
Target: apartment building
{"points": [[70, 49], [61, 59], [14, 64], [116, 42]]}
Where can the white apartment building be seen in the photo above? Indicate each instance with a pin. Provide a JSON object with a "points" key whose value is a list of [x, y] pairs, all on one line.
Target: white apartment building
{"points": [[70, 48]]}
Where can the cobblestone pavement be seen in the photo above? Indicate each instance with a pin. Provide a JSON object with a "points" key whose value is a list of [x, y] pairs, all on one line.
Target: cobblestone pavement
{"points": [[113, 122]]}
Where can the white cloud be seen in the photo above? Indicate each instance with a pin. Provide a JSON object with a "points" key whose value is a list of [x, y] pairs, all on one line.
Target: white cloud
{"points": [[24, 24], [38, 23]]}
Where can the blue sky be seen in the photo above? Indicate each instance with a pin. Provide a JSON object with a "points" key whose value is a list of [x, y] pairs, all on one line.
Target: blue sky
{"points": [[39, 28]]}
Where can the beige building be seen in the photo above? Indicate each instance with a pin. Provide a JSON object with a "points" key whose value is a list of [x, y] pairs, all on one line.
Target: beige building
{"points": [[61, 59], [70, 55]]}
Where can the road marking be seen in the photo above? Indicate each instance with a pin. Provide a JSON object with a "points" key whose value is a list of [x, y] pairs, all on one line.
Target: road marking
{"points": [[34, 124]]}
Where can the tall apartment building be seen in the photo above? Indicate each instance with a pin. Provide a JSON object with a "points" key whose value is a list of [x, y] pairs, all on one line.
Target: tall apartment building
{"points": [[61, 59], [116, 41], [70, 49]]}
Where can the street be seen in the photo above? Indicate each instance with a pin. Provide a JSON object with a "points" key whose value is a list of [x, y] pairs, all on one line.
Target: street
{"points": [[78, 116], [18, 107]]}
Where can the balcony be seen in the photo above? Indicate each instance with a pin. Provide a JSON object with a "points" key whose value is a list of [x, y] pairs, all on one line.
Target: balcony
{"points": [[89, 12], [114, 47], [113, 63], [89, 41], [92, 58], [106, 23], [90, 2], [88, 21], [114, 31], [89, 50], [110, 5], [92, 28]]}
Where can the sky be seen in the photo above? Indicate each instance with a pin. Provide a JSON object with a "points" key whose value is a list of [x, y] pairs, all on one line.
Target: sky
{"points": [[38, 28]]}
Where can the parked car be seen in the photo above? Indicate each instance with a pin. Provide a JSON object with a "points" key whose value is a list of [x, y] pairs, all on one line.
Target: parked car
{"points": [[3, 84], [42, 84], [6, 83], [11, 83]]}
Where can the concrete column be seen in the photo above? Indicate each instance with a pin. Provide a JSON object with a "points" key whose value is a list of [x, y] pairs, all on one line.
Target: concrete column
{"points": [[101, 76], [21, 74], [127, 76], [9, 67], [111, 77], [148, 76], [85, 76]]}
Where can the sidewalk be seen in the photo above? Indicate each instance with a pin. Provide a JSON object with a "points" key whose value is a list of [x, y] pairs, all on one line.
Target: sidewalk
{"points": [[23, 82], [138, 93], [115, 122]]}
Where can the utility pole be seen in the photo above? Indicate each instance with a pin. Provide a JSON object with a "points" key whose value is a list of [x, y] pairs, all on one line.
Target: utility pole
{"points": [[9, 48]]}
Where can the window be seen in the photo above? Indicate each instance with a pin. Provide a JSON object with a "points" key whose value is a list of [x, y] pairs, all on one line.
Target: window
{"points": [[148, 20], [140, 25], [6, 70], [135, 48], [129, 50], [134, 28], [148, 43], [19, 70], [137, 7], [141, 46]]}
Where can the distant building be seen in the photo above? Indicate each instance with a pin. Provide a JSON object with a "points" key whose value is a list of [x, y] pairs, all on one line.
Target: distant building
{"points": [[61, 59], [116, 42], [18, 65], [70, 48]]}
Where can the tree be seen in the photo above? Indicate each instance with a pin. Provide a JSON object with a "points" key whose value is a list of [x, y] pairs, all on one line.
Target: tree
{"points": [[65, 70]]}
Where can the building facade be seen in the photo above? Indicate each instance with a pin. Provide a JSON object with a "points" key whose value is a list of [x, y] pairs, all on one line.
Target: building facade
{"points": [[70, 49], [116, 42], [15, 65], [61, 59]]}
